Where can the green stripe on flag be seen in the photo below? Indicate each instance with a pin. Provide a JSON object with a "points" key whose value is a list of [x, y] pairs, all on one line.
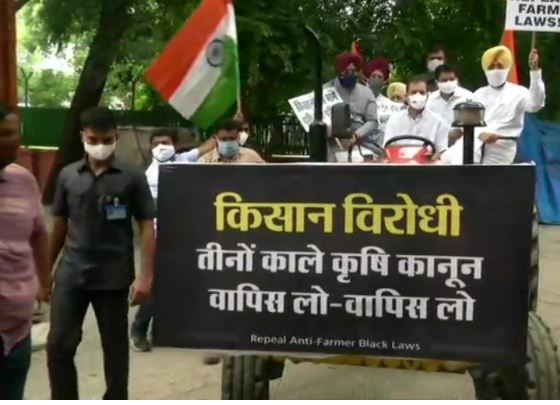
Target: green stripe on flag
{"points": [[224, 94]]}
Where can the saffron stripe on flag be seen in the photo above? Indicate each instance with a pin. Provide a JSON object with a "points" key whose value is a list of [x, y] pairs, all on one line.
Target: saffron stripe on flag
{"points": [[177, 60]]}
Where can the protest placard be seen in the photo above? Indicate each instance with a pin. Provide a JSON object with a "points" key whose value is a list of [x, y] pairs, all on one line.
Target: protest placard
{"points": [[270, 259], [533, 15], [304, 106]]}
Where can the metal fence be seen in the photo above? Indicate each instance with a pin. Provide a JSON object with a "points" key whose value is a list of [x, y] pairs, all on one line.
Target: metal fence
{"points": [[46, 127]]}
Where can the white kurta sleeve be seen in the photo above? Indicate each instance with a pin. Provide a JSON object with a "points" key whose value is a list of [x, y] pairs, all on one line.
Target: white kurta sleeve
{"points": [[536, 98], [391, 130], [188, 157], [442, 136]]}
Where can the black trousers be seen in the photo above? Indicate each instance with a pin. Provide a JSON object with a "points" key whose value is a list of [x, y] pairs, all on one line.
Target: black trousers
{"points": [[13, 370], [68, 310]]}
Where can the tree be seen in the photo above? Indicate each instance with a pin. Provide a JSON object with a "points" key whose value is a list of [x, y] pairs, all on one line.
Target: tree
{"points": [[275, 62], [113, 19]]}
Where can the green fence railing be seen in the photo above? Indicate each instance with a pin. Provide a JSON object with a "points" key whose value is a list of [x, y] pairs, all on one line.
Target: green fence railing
{"points": [[46, 127]]}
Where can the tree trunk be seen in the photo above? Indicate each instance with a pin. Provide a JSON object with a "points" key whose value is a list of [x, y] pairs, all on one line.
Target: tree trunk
{"points": [[114, 20]]}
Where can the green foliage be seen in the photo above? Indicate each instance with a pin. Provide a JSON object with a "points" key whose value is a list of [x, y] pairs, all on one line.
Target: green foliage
{"points": [[276, 60]]}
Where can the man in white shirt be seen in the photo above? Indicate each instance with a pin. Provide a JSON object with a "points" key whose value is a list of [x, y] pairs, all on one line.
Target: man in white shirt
{"points": [[163, 144], [448, 95], [506, 104], [417, 120]]}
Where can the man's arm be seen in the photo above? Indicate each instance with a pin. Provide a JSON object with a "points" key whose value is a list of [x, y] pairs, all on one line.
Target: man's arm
{"points": [[58, 238], [60, 213], [536, 98], [194, 155], [390, 129], [370, 117], [143, 211], [39, 242], [442, 136], [143, 284]]}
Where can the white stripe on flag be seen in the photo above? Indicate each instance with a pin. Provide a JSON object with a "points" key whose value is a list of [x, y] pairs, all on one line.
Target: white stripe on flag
{"points": [[200, 81]]}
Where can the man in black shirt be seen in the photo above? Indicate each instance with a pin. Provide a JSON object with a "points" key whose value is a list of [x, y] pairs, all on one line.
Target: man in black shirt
{"points": [[95, 202]]}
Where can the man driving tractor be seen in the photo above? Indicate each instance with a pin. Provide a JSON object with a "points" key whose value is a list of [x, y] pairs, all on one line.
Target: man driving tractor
{"points": [[418, 121], [360, 98]]}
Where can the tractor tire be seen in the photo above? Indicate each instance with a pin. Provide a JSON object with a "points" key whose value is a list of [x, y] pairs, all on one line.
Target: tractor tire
{"points": [[534, 265], [539, 380], [245, 378]]}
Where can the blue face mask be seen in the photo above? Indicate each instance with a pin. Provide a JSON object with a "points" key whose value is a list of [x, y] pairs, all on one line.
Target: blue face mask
{"points": [[348, 81], [228, 149]]}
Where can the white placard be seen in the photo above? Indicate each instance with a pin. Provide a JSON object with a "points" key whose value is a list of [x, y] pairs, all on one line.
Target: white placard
{"points": [[304, 106], [533, 15]]}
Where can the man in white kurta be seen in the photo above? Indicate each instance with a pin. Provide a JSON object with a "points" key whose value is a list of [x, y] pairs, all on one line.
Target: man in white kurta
{"points": [[506, 104], [417, 120], [448, 95]]}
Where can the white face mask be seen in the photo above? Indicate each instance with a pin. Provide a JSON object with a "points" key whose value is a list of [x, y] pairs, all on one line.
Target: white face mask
{"points": [[448, 87], [163, 153], [100, 152], [243, 136], [433, 64], [417, 101], [497, 77]]}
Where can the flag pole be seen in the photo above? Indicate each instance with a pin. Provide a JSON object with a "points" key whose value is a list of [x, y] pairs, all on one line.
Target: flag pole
{"points": [[533, 40]]}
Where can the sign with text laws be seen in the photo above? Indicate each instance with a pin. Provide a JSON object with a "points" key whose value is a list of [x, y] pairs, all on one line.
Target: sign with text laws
{"points": [[533, 15], [413, 262]]}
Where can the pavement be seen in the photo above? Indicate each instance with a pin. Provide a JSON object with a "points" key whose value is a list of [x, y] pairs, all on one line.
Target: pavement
{"points": [[181, 374]]}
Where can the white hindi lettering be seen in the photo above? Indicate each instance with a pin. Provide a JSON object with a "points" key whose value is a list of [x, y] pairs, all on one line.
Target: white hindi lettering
{"points": [[215, 258], [247, 296], [459, 309], [293, 262], [370, 259], [314, 303], [430, 266], [386, 302]]}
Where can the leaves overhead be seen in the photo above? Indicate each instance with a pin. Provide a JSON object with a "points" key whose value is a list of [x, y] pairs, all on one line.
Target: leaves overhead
{"points": [[276, 60]]}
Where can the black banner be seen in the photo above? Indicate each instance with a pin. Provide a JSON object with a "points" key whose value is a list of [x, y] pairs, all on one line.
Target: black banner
{"points": [[404, 261]]}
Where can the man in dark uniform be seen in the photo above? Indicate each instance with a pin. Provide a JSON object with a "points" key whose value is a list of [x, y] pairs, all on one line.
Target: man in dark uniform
{"points": [[95, 201]]}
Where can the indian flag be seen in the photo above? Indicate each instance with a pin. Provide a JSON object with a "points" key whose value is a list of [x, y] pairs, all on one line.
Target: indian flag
{"points": [[198, 72]]}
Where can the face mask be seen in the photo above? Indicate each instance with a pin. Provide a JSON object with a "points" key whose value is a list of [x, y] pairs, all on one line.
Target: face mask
{"points": [[433, 64], [497, 78], [376, 85], [243, 136], [228, 149], [448, 87], [163, 153], [348, 81], [417, 101], [100, 152]]}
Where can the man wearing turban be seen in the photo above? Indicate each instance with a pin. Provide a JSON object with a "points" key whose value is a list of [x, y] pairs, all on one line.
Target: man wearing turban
{"points": [[506, 104], [377, 73], [363, 110], [396, 92]]}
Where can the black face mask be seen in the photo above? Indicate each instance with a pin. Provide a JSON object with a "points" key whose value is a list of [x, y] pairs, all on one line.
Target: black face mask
{"points": [[348, 81]]}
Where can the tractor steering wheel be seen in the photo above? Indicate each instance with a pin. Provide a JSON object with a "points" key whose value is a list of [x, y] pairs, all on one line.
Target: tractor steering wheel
{"points": [[378, 152], [425, 142]]}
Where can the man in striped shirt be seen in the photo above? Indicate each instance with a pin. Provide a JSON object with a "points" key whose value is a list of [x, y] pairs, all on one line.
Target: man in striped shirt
{"points": [[24, 264]]}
